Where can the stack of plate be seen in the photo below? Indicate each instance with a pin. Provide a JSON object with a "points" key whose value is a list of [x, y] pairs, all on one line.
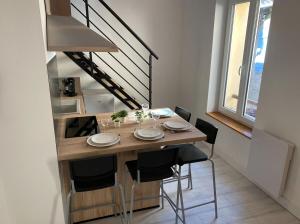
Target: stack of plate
{"points": [[149, 134], [103, 139], [177, 125]]}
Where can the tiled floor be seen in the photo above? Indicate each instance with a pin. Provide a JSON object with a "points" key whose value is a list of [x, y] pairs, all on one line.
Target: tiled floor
{"points": [[240, 201]]}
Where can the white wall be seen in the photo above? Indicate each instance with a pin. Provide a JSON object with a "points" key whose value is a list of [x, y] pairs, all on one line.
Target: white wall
{"points": [[279, 104], [5, 215], [159, 24], [198, 28], [28, 162]]}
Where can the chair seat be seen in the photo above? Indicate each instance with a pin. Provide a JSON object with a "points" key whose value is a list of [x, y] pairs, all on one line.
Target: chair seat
{"points": [[149, 175], [188, 153], [94, 183]]}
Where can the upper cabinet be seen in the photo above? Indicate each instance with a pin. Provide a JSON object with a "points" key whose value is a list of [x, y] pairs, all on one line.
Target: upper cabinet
{"points": [[64, 33]]}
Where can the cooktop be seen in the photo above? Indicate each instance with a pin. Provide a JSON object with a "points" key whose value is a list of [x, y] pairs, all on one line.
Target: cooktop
{"points": [[81, 126]]}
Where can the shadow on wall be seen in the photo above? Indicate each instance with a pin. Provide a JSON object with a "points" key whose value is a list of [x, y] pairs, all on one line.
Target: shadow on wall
{"points": [[56, 203]]}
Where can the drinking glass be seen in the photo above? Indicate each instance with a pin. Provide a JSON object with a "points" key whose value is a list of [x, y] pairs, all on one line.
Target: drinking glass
{"points": [[117, 123], [145, 108], [104, 123], [155, 115]]}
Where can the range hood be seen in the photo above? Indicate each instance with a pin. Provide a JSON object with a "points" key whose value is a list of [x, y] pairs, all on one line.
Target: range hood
{"points": [[64, 33]]}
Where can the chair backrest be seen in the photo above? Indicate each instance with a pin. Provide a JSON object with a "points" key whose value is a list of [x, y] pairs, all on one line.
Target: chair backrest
{"points": [[85, 169], [157, 160], [186, 115], [208, 129]]}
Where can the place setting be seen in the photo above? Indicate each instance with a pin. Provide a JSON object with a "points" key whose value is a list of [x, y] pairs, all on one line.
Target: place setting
{"points": [[148, 134], [103, 139], [176, 126]]}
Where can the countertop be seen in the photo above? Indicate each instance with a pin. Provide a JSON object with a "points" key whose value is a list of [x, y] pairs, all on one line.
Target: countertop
{"points": [[76, 148], [79, 97]]}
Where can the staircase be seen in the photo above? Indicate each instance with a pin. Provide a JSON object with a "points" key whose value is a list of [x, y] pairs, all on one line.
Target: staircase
{"points": [[116, 72]]}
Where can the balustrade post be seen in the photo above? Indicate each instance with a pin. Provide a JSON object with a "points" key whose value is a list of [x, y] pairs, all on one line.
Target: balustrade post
{"points": [[87, 14], [150, 80]]}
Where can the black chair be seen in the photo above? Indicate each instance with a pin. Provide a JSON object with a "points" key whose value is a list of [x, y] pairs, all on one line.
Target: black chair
{"points": [[93, 174], [151, 166], [189, 153], [186, 115]]}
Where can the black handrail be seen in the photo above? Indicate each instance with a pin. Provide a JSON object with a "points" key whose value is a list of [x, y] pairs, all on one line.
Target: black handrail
{"points": [[128, 28]]}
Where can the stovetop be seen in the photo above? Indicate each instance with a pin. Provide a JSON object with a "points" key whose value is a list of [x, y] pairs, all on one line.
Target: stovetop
{"points": [[81, 126]]}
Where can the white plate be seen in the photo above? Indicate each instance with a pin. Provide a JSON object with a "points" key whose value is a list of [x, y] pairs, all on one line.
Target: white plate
{"points": [[164, 112], [149, 139], [104, 138], [89, 141], [149, 132], [176, 125], [178, 130]]}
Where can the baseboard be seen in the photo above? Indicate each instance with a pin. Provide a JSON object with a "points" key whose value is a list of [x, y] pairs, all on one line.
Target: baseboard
{"points": [[295, 210]]}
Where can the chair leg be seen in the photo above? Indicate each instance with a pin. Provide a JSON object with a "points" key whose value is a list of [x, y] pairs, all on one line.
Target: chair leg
{"points": [[177, 201], [190, 180], [123, 204], [69, 202], [131, 202], [162, 194], [181, 197], [126, 176], [114, 201], [215, 191]]}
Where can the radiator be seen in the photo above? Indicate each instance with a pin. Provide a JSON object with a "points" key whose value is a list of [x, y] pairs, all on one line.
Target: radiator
{"points": [[269, 161]]}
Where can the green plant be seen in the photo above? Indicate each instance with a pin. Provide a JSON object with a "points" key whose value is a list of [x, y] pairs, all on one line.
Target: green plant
{"points": [[140, 115], [120, 114]]}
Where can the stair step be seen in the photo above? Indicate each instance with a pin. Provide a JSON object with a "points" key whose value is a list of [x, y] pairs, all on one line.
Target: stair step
{"points": [[107, 83], [76, 56], [120, 94], [133, 105], [117, 87]]}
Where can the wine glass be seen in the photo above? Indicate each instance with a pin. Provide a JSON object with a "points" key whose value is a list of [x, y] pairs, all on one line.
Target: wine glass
{"points": [[155, 115], [105, 123]]}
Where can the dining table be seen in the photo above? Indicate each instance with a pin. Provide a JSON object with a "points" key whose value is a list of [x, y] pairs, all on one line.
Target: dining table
{"points": [[126, 149]]}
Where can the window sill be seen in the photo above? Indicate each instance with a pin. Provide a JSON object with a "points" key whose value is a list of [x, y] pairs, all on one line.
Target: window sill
{"points": [[231, 123]]}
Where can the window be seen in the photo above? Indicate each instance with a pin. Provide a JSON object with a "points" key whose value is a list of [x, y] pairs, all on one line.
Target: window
{"points": [[245, 49]]}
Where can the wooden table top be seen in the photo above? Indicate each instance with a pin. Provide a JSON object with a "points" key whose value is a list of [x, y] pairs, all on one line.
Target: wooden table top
{"points": [[76, 148]]}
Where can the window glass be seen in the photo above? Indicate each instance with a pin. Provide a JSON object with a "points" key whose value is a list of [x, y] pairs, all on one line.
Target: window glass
{"points": [[236, 54], [259, 53]]}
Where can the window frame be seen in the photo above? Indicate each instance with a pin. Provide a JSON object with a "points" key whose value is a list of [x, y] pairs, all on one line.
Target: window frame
{"points": [[251, 29]]}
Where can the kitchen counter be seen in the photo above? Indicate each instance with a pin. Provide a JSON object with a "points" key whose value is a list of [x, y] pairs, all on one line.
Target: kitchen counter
{"points": [[78, 97]]}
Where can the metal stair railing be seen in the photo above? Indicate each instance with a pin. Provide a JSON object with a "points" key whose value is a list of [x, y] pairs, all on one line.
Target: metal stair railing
{"points": [[149, 61]]}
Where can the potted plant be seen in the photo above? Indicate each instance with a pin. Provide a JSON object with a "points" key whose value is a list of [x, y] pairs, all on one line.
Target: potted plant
{"points": [[119, 116]]}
